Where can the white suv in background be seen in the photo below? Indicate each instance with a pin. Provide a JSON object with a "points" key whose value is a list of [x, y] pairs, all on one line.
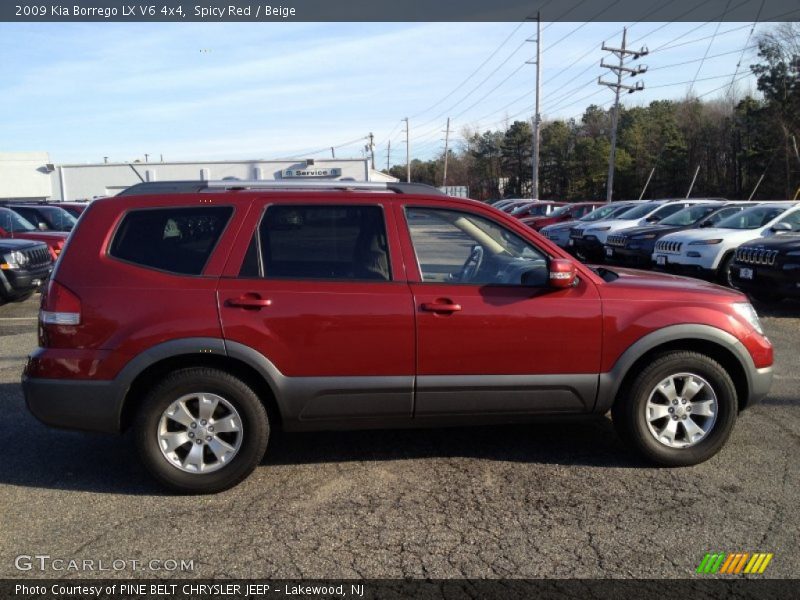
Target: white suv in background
{"points": [[588, 240], [709, 252]]}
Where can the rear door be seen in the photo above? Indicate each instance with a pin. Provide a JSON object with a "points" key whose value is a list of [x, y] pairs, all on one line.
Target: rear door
{"points": [[317, 288], [491, 336]]}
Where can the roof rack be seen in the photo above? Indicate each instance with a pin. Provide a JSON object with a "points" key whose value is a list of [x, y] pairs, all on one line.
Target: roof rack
{"points": [[184, 187]]}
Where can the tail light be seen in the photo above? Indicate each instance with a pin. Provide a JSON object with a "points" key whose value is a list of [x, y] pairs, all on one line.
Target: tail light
{"points": [[60, 306]]}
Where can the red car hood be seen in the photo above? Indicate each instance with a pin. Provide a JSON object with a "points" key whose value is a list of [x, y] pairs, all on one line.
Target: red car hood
{"points": [[658, 283]]}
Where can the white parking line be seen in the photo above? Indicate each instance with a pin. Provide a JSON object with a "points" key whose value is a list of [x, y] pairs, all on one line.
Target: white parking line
{"points": [[19, 319]]}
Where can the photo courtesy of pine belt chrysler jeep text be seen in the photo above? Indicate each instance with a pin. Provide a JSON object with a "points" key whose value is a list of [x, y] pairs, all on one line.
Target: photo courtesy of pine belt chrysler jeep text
{"points": [[205, 319]]}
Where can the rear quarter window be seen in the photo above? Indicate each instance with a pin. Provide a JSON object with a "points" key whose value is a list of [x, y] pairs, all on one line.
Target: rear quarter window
{"points": [[176, 240]]}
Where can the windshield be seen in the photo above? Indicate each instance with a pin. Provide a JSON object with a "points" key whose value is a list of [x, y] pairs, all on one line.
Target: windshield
{"points": [[606, 212], [58, 218], [11, 221], [689, 215], [752, 218], [539, 209], [640, 210]]}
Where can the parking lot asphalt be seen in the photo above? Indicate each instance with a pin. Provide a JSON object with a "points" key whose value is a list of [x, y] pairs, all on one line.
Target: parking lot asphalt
{"points": [[548, 500]]}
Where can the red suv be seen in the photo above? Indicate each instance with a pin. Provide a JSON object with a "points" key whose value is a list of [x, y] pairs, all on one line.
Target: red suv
{"points": [[568, 212], [205, 319], [14, 226]]}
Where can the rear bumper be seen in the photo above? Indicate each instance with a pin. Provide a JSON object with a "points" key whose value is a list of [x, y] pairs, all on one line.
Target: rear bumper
{"points": [[75, 404]]}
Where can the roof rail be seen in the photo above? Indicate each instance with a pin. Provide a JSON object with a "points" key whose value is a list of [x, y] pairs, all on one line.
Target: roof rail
{"points": [[183, 187]]}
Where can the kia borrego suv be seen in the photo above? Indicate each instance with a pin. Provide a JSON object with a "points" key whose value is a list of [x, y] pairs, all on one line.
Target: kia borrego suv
{"points": [[710, 252], [202, 323]]}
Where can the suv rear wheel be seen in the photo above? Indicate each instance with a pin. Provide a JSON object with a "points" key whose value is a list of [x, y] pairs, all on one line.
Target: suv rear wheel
{"points": [[679, 410], [201, 430]]}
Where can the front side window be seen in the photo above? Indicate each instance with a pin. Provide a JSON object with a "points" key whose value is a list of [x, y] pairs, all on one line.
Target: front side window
{"points": [[459, 247], [58, 218], [320, 242], [177, 240]]}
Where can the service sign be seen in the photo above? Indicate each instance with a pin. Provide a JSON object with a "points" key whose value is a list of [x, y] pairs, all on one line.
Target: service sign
{"points": [[311, 172]]}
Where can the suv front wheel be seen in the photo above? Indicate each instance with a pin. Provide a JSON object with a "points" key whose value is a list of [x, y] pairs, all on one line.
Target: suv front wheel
{"points": [[679, 410], [201, 430]]}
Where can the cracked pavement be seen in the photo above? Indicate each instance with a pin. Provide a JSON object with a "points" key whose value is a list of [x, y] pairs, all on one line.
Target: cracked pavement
{"points": [[548, 500]]}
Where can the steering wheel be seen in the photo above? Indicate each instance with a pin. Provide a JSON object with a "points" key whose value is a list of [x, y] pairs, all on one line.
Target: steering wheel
{"points": [[472, 265]]}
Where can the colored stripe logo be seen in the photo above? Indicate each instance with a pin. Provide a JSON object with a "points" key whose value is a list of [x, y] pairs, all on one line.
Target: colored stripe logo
{"points": [[735, 563]]}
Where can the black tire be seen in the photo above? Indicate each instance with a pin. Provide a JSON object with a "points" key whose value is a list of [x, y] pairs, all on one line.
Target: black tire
{"points": [[724, 271], [254, 429], [629, 412]]}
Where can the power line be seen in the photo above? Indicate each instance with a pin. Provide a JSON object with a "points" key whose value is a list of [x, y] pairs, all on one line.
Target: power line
{"points": [[749, 35], [702, 62]]}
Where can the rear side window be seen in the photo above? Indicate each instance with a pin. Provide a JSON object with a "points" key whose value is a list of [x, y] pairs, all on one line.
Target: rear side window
{"points": [[177, 240], [320, 242]]}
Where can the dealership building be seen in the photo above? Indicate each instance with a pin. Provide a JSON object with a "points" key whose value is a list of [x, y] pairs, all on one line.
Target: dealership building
{"points": [[31, 175]]}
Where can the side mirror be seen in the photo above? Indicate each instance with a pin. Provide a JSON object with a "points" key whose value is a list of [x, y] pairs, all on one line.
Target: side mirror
{"points": [[562, 273], [653, 219], [779, 227]]}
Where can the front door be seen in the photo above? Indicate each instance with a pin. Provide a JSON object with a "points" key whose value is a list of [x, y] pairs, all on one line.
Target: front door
{"points": [[492, 337], [319, 295]]}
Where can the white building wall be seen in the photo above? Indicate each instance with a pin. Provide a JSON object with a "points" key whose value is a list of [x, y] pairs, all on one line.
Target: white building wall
{"points": [[89, 181], [25, 175]]}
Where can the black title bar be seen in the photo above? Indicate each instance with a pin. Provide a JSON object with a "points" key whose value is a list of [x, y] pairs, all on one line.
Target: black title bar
{"points": [[211, 11]]}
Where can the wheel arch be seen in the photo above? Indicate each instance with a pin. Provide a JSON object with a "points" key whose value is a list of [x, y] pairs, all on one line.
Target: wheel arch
{"points": [[704, 339], [155, 363]]}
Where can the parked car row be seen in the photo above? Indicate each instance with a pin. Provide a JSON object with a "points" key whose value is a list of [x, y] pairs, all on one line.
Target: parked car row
{"points": [[748, 245], [32, 235]]}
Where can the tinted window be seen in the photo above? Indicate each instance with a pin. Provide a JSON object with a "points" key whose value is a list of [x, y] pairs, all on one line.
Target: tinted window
{"points": [[458, 247], [11, 221], [58, 218], [178, 240], [324, 242]]}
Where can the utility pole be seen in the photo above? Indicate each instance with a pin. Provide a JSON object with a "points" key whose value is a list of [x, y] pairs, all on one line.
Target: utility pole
{"points": [[333, 152], [408, 152], [691, 186], [371, 148], [146, 156], [388, 154], [620, 70], [537, 117], [446, 142], [646, 183]]}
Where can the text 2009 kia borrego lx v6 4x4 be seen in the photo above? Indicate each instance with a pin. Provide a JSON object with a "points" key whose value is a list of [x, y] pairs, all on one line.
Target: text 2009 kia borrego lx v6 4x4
{"points": [[202, 321]]}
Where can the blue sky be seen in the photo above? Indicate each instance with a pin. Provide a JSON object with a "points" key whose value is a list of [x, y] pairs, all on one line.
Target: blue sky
{"points": [[270, 90]]}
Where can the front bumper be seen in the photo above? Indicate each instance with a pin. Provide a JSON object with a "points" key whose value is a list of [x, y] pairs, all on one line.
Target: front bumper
{"points": [[760, 384], [16, 282], [589, 249], [75, 404], [619, 255], [785, 284]]}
